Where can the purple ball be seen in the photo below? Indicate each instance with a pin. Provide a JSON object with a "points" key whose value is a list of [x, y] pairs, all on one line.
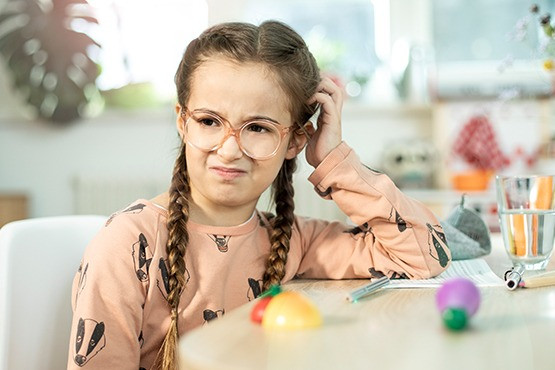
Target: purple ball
{"points": [[458, 293]]}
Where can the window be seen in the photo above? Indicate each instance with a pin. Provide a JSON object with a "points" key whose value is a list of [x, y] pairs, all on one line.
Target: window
{"points": [[339, 33], [477, 30], [489, 49], [143, 40]]}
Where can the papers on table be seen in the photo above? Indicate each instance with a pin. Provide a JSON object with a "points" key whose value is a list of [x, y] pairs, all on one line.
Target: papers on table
{"points": [[477, 270]]}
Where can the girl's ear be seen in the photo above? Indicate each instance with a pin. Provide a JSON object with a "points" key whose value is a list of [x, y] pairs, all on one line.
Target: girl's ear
{"points": [[299, 139], [180, 121]]}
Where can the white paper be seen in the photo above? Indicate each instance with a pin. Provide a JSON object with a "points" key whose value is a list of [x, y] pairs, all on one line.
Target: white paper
{"points": [[477, 270]]}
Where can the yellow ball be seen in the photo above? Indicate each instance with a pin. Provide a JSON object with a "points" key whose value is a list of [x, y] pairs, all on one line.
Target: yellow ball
{"points": [[548, 64], [291, 310]]}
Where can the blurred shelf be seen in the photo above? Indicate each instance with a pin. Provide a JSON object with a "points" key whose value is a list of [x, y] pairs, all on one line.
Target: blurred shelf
{"points": [[450, 196], [442, 202], [13, 207], [361, 107]]}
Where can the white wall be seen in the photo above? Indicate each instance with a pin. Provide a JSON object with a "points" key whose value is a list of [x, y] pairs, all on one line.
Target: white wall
{"points": [[42, 161]]}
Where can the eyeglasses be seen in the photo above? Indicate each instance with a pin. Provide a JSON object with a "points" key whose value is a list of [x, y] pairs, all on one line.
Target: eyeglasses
{"points": [[258, 138]]}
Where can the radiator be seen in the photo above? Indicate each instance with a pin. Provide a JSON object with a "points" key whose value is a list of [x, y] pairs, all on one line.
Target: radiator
{"points": [[106, 195], [307, 202]]}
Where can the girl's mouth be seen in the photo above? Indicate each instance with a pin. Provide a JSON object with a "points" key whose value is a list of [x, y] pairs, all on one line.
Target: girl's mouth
{"points": [[228, 173]]}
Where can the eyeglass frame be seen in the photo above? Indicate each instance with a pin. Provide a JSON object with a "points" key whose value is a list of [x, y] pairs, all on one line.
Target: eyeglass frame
{"points": [[230, 131]]}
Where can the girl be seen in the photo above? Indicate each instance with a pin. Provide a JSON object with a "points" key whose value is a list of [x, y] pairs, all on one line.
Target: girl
{"points": [[164, 266]]}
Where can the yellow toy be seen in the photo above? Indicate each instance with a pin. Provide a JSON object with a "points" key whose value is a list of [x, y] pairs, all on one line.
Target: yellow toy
{"points": [[291, 310]]}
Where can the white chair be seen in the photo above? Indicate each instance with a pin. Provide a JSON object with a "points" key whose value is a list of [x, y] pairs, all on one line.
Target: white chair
{"points": [[38, 260]]}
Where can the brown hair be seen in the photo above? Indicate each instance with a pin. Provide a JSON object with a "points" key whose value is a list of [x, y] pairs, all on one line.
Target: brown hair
{"points": [[284, 52]]}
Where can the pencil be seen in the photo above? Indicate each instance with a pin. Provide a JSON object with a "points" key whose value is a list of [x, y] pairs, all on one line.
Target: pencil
{"points": [[367, 289], [545, 279]]}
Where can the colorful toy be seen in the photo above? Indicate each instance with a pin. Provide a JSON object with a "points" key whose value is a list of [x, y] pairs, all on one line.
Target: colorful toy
{"points": [[263, 300], [457, 299], [291, 310], [258, 310], [285, 310]]}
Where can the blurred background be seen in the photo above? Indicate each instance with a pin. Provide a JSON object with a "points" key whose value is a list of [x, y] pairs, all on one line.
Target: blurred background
{"points": [[442, 95]]}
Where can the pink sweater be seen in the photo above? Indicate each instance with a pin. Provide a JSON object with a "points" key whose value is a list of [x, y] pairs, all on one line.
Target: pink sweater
{"points": [[119, 293]]}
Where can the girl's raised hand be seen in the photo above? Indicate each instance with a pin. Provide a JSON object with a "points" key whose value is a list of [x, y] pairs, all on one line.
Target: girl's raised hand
{"points": [[327, 134]]}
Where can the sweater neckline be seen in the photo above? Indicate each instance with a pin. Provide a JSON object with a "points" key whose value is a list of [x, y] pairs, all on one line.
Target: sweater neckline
{"points": [[240, 229]]}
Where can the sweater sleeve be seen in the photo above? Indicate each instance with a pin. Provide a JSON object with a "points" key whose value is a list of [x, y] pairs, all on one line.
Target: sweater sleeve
{"points": [[107, 299], [393, 234]]}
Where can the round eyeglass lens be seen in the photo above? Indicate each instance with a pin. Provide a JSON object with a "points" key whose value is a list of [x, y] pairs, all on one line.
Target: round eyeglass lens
{"points": [[204, 131], [260, 139]]}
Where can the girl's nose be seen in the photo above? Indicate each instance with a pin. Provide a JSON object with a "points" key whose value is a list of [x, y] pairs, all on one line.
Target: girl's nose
{"points": [[230, 149]]}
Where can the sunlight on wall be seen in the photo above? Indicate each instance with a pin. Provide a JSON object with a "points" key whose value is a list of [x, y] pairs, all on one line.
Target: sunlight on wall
{"points": [[381, 24], [143, 40]]}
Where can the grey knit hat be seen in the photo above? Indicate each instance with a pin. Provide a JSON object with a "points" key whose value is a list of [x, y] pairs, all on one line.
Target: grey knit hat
{"points": [[466, 232]]}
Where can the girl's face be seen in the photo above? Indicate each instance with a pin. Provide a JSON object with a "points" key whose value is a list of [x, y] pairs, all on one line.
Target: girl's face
{"points": [[227, 177]]}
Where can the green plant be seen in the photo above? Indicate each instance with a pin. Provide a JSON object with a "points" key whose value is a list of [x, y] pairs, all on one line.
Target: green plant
{"points": [[48, 56]]}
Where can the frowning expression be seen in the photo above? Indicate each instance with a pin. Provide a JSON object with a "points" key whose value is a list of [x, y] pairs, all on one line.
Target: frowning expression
{"points": [[239, 93]]}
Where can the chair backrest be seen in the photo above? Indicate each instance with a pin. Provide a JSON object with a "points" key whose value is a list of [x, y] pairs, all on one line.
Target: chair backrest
{"points": [[38, 260]]}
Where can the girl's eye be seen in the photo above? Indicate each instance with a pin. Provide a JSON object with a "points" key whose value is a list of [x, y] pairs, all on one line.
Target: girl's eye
{"points": [[259, 128], [211, 122], [256, 128]]}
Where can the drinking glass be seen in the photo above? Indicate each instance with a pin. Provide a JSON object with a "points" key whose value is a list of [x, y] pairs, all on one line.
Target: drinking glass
{"points": [[526, 209]]}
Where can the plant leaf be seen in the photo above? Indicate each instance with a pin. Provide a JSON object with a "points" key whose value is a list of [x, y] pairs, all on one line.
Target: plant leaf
{"points": [[49, 60]]}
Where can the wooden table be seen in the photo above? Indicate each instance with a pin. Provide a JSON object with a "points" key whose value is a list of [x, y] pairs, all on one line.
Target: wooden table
{"points": [[392, 329]]}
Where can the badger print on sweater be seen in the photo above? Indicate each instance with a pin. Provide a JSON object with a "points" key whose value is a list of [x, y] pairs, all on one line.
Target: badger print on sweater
{"points": [[398, 276], [209, 315], [378, 274], [255, 288], [359, 231], [89, 340], [401, 224], [136, 208], [163, 281], [375, 273], [163, 275], [221, 241], [141, 257], [437, 241], [82, 280]]}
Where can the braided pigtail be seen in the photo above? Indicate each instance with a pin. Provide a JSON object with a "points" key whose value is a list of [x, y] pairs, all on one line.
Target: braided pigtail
{"points": [[283, 191], [178, 238]]}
